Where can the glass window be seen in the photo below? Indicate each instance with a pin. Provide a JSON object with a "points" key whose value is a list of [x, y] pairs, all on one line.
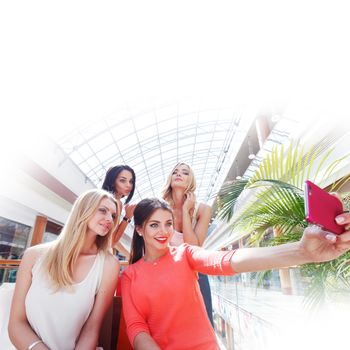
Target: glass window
{"points": [[13, 238]]}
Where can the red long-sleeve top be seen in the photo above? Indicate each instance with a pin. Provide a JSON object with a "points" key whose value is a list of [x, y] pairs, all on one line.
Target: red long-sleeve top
{"points": [[163, 299]]}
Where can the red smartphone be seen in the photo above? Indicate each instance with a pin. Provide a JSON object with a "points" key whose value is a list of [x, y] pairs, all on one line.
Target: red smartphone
{"points": [[321, 208]]}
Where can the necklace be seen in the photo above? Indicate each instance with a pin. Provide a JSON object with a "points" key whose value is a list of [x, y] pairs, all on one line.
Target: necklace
{"points": [[154, 262]]}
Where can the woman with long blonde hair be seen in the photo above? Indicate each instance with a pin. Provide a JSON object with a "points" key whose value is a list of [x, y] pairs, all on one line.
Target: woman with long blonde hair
{"points": [[191, 218], [64, 288]]}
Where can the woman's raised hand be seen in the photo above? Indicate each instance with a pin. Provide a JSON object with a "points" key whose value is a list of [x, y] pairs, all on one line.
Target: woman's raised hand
{"points": [[129, 210], [319, 245], [190, 201]]}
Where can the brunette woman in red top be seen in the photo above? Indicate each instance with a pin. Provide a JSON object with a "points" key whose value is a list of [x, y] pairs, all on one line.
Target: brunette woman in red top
{"points": [[162, 304]]}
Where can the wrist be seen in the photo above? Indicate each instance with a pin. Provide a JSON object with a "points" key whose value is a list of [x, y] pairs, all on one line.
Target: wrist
{"points": [[127, 219], [300, 253], [186, 210]]}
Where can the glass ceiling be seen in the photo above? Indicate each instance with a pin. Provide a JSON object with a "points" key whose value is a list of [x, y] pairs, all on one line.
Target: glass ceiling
{"points": [[153, 140]]}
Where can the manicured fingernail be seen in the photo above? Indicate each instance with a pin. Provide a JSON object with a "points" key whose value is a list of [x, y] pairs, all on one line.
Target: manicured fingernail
{"points": [[339, 219], [331, 237]]}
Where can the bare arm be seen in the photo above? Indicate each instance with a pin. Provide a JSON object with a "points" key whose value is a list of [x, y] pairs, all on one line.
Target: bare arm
{"points": [[129, 213], [198, 234], [316, 245], [143, 341], [89, 334], [119, 232], [20, 331], [266, 258]]}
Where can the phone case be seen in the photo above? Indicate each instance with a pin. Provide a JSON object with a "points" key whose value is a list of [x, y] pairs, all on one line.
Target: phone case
{"points": [[321, 208]]}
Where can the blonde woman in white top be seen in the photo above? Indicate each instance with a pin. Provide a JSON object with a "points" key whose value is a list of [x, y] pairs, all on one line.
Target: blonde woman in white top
{"points": [[191, 218], [64, 288]]}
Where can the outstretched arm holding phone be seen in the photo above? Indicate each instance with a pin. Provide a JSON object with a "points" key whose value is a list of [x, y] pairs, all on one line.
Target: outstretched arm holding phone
{"points": [[146, 290], [316, 245]]}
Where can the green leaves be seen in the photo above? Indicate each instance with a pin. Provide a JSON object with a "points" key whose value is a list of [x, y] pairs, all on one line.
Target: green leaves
{"points": [[275, 206], [277, 201], [228, 196]]}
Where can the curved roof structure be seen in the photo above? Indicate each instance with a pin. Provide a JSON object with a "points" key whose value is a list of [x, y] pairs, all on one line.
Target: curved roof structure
{"points": [[153, 140]]}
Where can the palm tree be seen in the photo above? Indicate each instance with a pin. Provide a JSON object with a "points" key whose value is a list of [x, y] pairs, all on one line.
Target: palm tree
{"points": [[278, 202]]}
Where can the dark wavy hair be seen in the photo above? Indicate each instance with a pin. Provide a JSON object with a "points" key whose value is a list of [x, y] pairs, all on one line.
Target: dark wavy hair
{"points": [[143, 211], [111, 176]]}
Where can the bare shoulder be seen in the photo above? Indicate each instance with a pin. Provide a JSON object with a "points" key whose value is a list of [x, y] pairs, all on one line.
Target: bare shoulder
{"points": [[111, 263], [111, 270], [204, 209], [32, 253]]}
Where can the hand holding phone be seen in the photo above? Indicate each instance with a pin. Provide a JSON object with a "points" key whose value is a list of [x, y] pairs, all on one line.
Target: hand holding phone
{"points": [[321, 208]]}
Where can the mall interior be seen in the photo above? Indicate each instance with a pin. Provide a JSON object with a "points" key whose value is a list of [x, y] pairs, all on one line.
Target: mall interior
{"points": [[40, 181]]}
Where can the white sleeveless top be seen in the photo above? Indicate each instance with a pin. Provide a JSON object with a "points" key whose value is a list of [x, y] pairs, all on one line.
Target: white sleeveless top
{"points": [[178, 237], [57, 317]]}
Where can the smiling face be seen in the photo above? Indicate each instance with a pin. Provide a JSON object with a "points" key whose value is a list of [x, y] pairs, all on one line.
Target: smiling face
{"points": [[103, 219], [124, 183], [157, 232]]}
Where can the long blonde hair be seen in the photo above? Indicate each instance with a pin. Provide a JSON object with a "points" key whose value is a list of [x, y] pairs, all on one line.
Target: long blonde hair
{"points": [[60, 259], [168, 191]]}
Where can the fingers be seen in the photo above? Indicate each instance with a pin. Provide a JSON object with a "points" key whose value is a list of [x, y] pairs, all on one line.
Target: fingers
{"points": [[344, 219], [189, 201], [330, 237], [131, 206], [344, 237], [342, 241], [315, 231], [189, 195], [129, 209]]}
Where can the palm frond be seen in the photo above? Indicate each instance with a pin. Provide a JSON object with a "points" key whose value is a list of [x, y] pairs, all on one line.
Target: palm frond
{"points": [[337, 186], [332, 167], [296, 165], [228, 196], [275, 183], [277, 206], [278, 201]]}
